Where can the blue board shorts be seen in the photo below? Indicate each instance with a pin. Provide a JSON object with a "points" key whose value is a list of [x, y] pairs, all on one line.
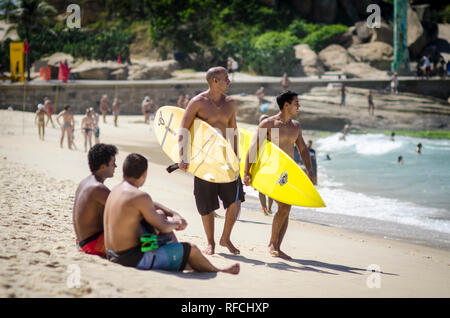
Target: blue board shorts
{"points": [[170, 257]]}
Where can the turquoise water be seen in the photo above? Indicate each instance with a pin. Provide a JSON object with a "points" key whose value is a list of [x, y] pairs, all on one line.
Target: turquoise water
{"points": [[366, 189]]}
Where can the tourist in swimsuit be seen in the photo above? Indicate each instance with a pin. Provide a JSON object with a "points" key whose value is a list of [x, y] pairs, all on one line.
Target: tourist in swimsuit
{"points": [[115, 108], [95, 119], [139, 231], [68, 126], [147, 104], [87, 125], [40, 117], [90, 199], [50, 111]]}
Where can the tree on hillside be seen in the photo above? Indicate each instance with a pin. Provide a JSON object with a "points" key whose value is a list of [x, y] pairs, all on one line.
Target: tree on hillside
{"points": [[28, 17], [6, 6]]}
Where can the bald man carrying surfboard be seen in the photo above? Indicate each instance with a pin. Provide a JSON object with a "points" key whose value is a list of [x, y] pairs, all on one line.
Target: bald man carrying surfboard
{"points": [[219, 111]]}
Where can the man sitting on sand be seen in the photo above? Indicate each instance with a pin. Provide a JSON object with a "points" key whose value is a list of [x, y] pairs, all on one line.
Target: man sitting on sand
{"points": [[289, 133], [138, 230], [90, 199]]}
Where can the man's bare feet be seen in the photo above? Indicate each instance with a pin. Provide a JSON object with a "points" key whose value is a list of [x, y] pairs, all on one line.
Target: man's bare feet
{"points": [[234, 269], [275, 252], [284, 255], [209, 249], [230, 246]]}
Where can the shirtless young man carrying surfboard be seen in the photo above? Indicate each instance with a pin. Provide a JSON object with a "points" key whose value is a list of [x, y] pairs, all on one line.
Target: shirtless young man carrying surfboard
{"points": [[289, 133], [218, 110]]}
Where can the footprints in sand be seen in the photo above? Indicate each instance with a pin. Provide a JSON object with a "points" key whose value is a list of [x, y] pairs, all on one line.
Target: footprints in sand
{"points": [[34, 216]]}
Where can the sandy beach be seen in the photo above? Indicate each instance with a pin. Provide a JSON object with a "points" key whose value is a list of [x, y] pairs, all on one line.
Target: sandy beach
{"points": [[38, 256]]}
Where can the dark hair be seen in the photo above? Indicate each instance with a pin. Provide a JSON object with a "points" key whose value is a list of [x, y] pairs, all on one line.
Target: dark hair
{"points": [[134, 166], [284, 97], [100, 154], [66, 107]]}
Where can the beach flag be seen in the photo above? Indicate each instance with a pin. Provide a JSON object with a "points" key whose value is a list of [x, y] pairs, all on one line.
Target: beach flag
{"points": [[118, 59], [64, 72]]}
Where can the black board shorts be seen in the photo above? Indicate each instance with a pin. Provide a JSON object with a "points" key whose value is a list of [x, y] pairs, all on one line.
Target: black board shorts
{"points": [[207, 194]]}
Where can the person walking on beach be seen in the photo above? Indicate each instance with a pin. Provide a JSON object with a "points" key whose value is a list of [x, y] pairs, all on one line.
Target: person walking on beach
{"points": [[147, 104], [87, 127], [104, 108], [218, 110], [50, 110], [68, 126], [40, 120], [95, 120], [394, 83], [371, 104], [90, 200], [139, 231], [115, 110], [289, 133]]}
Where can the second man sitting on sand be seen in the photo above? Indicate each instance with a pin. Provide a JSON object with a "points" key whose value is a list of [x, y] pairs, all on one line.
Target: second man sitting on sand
{"points": [[138, 231]]}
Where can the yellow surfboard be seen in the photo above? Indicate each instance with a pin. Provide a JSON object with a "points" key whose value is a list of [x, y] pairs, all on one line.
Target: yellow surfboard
{"points": [[210, 156], [276, 174]]}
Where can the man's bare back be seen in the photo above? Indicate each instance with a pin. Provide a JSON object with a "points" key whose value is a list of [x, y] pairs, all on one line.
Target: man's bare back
{"points": [[90, 199], [122, 216]]}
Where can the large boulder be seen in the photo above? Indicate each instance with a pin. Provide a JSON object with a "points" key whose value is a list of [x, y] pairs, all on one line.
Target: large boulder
{"points": [[152, 70], [97, 70], [377, 54], [416, 34], [384, 33], [363, 32], [310, 62], [335, 57], [362, 70]]}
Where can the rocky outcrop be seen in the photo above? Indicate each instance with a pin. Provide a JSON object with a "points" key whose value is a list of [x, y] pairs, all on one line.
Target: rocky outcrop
{"points": [[376, 54], [383, 34], [152, 70], [96, 70], [310, 63], [335, 57], [361, 70]]}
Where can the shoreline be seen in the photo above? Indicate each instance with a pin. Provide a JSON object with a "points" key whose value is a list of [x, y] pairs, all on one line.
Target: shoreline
{"points": [[39, 246]]}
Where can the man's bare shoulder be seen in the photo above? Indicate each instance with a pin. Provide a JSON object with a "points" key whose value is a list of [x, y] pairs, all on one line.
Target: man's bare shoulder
{"points": [[268, 122]]}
